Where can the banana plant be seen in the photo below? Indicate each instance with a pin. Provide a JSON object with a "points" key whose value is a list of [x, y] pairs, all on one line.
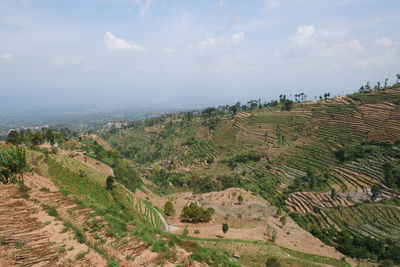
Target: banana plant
{"points": [[13, 164]]}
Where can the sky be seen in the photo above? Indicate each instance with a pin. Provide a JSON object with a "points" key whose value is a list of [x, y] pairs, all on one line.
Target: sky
{"points": [[146, 53]]}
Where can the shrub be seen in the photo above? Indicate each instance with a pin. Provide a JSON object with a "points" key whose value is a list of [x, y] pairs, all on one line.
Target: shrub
{"points": [[51, 210], [45, 189], [112, 263], [109, 182], [81, 254], [225, 228], [283, 220], [169, 208], [185, 231], [240, 199], [272, 262], [14, 138]]}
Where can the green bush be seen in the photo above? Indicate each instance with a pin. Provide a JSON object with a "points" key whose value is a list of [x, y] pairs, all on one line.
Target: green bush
{"points": [[169, 208], [112, 262]]}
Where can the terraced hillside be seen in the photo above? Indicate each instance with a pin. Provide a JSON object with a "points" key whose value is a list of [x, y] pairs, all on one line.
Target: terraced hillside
{"points": [[319, 160], [271, 173]]}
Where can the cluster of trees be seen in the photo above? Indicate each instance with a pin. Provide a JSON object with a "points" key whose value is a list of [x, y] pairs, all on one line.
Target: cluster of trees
{"points": [[300, 97], [392, 173], [242, 158], [194, 214], [314, 181], [287, 104], [163, 177], [205, 184], [378, 87], [368, 248], [350, 152], [367, 88], [325, 97], [37, 137]]}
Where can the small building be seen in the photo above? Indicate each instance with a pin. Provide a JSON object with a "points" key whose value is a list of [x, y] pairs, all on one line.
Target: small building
{"points": [[236, 255]]}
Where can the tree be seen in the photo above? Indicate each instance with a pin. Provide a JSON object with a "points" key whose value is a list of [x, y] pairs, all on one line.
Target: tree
{"points": [[110, 183], [225, 228], [398, 77], [311, 177], [169, 208], [375, 190], [240, 199], [283, 220], [12, 164], [14, 138], [278, 213], [273, 238], [49, 136], [185, 231], [272, 262], [333, 193], [288, 104], [36, 139]]}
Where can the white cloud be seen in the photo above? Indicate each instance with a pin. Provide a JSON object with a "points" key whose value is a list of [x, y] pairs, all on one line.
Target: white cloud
{"points": [[332, 33], [354, 46], [144, 7], [385, 42], [304, 35], [169, 50], [219, 42], [114, 43], [207, 43], [237, 37], [272, 4], [6, 56], [230, 64], [61, 61], [237, 23], [281, 52], [377, 61], [221, 2]]}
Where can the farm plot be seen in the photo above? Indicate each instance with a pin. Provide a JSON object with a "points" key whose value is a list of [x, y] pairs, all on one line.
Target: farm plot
{"points": [[301, 157], [303, 202], [221, 139], [370, 220], [146, 210]]}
